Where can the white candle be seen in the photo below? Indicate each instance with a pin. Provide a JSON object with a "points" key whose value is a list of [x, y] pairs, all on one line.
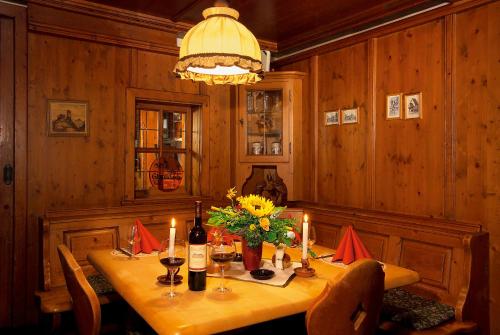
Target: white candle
{"points": [[171, 242], [305, 237]]}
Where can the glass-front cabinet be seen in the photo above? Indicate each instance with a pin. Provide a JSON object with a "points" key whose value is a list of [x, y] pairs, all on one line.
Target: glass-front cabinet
{"points": [[264, 120], [269, 132]]}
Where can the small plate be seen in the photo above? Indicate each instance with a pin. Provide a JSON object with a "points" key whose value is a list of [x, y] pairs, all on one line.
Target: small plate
{"points": [[165, 280], [262, 274]]}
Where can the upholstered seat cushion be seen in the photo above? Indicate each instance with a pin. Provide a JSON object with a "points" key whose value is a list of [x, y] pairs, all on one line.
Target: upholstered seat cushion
{"points": [[100, 284], [414, 311]]}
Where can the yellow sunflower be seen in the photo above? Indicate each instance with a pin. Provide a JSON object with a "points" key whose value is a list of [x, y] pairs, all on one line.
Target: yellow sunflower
{"points": [[264, 223], [256, 205]]}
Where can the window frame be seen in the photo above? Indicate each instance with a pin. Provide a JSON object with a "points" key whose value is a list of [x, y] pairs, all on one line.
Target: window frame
{"points": [[198, 104]]}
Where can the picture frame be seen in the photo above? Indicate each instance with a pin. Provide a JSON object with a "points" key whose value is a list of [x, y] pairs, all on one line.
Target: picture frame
{"points": [[350, 116], [68, 118], [332, 118], [413, 106], [393, 106]]}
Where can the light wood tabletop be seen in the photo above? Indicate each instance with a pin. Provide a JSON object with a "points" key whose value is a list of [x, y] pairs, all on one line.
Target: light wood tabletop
{"points": [[208, 312]]}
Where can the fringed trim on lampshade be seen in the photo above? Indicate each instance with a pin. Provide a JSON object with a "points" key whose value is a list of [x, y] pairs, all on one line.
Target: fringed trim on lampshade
{"points": [[210, 61]]}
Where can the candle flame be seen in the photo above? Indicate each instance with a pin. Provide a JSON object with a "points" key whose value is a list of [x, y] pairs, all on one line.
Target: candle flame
{"points": [[305, 218], [172, 223]]}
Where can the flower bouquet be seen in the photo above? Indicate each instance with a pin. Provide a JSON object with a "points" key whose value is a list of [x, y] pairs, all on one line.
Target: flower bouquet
{"points": [[255, 219]]}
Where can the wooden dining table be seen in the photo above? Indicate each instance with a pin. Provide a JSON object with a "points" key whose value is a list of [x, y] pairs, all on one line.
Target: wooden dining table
{"points": [[208, 312]]}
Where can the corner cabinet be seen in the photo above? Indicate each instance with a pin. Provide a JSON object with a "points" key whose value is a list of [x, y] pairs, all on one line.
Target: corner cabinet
{"points": [[269, 133]]}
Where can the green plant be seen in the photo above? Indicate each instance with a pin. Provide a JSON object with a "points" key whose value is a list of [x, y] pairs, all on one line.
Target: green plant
{"points": [[254, 218]]}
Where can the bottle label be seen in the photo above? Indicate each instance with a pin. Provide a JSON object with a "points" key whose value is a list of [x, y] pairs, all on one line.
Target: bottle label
{"points": [[197, 257]]}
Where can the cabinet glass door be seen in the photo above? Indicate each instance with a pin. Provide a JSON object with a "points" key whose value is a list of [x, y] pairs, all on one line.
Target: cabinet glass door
{"points": [[264, 119]]}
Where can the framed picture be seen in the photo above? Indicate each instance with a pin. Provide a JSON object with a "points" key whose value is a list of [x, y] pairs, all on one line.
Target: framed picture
{"points": [[332, 117], [393, 106], [350, 115], [413, 106], [68, 118]]}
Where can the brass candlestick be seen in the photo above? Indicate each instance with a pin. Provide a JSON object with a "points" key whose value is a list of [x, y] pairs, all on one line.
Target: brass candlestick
{"points": [[305, 270]]}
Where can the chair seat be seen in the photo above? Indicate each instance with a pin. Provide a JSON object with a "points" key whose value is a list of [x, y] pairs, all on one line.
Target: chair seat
{"points": [[448, 328], [414, 311]]}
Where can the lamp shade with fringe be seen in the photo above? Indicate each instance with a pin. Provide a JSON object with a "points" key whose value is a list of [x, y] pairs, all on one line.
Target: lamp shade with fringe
{"points": [[220, 50]]}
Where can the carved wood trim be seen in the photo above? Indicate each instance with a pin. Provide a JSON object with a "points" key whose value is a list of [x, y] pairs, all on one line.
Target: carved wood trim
{"points": [[114, 14], [117, 15], [102, 38], [455, 7]]}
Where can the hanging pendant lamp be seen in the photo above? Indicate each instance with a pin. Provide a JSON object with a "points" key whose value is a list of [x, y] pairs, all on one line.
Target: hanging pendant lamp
{"points": [[220, 50]]}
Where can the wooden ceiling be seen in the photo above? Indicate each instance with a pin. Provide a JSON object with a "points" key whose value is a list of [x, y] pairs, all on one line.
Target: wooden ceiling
{"points": [[292, 24]]}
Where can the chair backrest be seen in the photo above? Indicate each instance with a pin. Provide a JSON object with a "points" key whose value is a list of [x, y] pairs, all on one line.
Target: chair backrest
{"points": [[351, 305], [86, 305]]}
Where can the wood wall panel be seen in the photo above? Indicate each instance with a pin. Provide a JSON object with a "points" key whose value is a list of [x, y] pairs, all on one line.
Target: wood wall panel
{"points": [[308, 130], [79, 242], [327, 235], [409, 154], [375, 243], [155, 71], [445, 165], [82, 56], [432, 262], [477, 124], [342, 151], [70, 172], [220, 132]]}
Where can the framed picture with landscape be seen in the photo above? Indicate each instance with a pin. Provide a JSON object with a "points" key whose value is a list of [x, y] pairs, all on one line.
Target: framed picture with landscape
{"points": [[332, 118], [350, 116], [68, 118]]}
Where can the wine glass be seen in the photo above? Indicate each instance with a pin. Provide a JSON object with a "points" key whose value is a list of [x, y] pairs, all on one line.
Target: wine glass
{"points": [[133, 238], [172, 255], [222, 252]]}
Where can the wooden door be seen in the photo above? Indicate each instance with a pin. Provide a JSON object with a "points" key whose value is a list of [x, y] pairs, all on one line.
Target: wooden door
{"points": [[7, 167]]}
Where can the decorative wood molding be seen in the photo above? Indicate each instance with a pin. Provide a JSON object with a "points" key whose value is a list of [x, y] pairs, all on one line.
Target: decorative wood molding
{"points": [[397, 220], [364, 17], [450, 114], [455, 7], [88, 10], [102, 38], [113, 14]]}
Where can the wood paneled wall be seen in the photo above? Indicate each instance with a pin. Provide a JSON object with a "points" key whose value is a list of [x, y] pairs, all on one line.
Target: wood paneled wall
{"points": [[80, 54], [445, 165]]}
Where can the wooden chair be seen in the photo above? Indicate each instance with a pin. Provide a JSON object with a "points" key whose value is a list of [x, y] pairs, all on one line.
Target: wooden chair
{"points": [[352, 305], [86, 305]]}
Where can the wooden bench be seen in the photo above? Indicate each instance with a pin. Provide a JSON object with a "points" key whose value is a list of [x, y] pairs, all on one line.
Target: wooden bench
{"points": [[84, 230], [451, 257]]}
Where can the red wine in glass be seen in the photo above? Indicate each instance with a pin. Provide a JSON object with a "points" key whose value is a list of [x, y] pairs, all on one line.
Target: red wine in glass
{"points": [[221, 254], [172, 263], [222, 258], [172, 256]]}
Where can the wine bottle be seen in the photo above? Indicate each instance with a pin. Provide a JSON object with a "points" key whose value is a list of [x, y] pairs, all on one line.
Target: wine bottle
{"points": [[197, 276]]}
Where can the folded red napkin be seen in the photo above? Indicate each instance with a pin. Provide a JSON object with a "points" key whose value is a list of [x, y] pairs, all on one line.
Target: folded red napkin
{"points": [[147, 242], [350, 248]]}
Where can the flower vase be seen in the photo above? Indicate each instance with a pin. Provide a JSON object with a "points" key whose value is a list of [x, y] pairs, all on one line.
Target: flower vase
{"points": [[251, 256]]}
